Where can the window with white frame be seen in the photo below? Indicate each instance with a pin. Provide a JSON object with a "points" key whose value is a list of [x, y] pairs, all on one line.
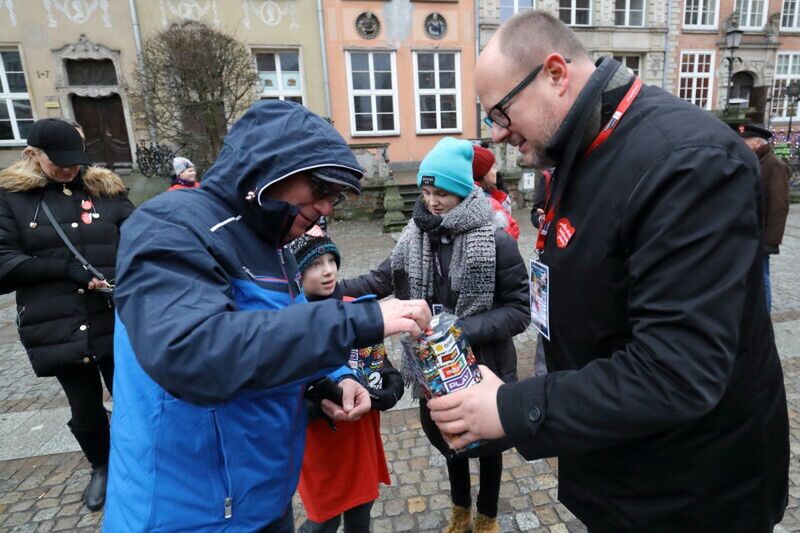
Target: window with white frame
{"points": [[700, 14], [16, 115], [696, 76], [752, 14], [279, 75], [373, 95], [790, 15], [787, 70], [575, 12], [632, 62], [509, 8], [438, 96], [629, 12]]}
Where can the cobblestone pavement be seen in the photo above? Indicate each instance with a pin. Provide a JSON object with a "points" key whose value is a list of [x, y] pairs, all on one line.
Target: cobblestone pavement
{"points": [[42, 474]]}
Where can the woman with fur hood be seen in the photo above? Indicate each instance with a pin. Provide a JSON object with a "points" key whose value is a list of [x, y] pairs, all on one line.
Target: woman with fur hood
{"points": [[453, 256], [65, 313]]}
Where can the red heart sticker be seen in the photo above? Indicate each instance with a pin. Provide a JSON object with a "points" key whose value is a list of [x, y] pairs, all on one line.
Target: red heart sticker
{"points": [[86, 205], [564, 232], [86, 217]]}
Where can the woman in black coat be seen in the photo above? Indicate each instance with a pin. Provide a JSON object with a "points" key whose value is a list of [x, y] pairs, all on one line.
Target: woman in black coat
{"points": [[65, 314], [452, 256]]}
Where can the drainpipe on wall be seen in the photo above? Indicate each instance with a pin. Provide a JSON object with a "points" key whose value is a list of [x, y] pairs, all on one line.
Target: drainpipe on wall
{"points": [[325, 81], [137, 38], [666, 47], [477, 53]]}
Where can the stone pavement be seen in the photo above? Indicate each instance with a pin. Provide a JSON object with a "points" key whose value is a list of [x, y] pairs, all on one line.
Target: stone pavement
{"points": [[42, 473]]}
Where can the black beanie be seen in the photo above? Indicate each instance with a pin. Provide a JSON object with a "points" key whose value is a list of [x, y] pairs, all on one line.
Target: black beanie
{"points": [[308, 247]]}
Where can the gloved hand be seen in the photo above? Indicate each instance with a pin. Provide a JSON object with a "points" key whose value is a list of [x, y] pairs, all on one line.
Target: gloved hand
{"points": [[75, 272], [392, 389]]}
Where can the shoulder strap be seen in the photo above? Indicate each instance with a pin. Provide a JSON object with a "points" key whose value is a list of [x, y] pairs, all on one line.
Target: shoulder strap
{"points": [[68, 243]]}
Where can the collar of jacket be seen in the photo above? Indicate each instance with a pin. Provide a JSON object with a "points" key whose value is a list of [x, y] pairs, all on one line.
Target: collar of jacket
{"points": [[337, 294], [763, 151], [97, 181], [593, 107], [271, 220]]}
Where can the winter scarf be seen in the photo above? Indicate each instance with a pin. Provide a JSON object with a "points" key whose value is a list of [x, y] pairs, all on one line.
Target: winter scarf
{"points": [[473, 262]]}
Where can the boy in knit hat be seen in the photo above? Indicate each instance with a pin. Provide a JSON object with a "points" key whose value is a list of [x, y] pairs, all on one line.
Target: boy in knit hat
{"points": [[484, 173], [347, 485], [185, 174]]}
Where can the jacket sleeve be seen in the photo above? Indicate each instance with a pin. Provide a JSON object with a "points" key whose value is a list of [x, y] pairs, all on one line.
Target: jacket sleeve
{"points": [[11, 253], [776, 202], [377, 282], [177, 305], [511, 314], [689, 230]]}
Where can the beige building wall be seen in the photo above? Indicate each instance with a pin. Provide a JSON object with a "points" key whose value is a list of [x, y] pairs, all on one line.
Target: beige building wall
{"points": [[46, 33], [42, 32]]}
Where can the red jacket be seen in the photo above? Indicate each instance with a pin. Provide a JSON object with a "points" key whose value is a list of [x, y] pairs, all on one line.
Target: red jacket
{"points": [[501, 216]]}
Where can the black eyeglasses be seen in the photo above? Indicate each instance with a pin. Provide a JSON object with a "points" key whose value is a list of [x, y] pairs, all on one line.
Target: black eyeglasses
{"points": [[324, 190], [497, 114]]}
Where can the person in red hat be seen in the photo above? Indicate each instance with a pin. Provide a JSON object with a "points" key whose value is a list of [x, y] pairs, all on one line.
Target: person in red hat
{"points": [[484, 174]]}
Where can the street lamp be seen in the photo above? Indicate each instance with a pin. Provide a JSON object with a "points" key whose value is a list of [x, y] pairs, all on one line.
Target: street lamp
{"points": [[792, 93], [733, 39]]}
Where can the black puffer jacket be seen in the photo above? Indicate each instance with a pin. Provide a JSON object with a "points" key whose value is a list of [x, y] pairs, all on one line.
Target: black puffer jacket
{"points": [[61, 323], [490, 333]]}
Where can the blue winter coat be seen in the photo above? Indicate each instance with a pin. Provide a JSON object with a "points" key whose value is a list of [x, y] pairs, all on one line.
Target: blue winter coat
{"points": [[212, 354]]}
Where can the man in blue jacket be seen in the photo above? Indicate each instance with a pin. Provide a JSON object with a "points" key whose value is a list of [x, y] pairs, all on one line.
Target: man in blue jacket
{"points": [[213, 355]]}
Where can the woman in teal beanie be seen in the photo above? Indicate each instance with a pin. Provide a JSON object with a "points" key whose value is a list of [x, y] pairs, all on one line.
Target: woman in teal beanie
{"points": [[451, 255]]}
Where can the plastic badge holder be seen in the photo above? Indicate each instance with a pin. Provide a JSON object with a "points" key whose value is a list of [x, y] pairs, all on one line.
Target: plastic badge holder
{"points": [[442, 362]]}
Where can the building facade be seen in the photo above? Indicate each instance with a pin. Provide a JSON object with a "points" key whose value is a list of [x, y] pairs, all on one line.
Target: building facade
{"points": [[401, 73], [78, 59]]}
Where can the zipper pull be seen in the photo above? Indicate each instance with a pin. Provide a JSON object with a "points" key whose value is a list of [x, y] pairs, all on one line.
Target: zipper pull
{"points": [[247, 271], [228, 507]]}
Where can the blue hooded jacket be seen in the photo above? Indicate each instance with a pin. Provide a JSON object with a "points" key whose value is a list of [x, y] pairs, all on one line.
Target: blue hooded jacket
{"points": [[212, 353]]}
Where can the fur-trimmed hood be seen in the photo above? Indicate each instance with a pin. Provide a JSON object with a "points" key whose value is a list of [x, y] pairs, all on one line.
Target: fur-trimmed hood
{"points": [[24, 176]]}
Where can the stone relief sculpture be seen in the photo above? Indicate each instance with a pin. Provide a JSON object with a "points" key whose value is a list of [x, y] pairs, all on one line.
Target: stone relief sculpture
{"points": [[188, 10], [77, 11], [270, 12], [772, 27], [9, 6]]}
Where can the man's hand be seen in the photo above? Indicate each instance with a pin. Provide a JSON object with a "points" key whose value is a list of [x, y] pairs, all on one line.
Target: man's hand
{"points": [[412, 316], [470, 413], [97, 284], [355, 402]]}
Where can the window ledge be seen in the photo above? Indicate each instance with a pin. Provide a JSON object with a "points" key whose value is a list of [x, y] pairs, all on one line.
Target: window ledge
{"points": [[376, 134], [439, 132]]}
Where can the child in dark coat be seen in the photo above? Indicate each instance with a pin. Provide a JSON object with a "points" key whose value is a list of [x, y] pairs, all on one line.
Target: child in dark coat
{"points": [[343, 464]]}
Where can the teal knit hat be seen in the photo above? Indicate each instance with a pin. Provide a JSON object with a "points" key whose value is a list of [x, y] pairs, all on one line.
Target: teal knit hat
{"points": [[449, 167]]}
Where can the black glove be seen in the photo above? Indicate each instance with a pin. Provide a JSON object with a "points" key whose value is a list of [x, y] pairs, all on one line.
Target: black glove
{"points": [[75, 272], [392, 390]]}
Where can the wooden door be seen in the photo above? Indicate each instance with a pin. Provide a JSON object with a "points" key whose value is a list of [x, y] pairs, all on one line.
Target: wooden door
{"points": [[103, 122]]}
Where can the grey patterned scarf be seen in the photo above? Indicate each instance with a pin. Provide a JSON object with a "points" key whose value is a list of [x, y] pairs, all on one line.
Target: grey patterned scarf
{"points": [[472, 266]]}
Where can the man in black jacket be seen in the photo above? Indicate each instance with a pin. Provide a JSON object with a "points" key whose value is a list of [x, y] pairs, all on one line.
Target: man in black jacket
{"points": [[665, 400]]}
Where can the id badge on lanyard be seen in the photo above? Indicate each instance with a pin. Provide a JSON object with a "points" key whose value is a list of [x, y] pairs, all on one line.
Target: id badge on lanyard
{"points": [[540, 297]]}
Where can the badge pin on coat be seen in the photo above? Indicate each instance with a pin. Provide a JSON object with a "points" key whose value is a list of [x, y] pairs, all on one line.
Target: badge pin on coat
{"points": [[564, 232]]}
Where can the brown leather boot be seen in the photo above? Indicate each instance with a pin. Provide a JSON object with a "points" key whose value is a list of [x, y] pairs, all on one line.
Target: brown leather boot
{"points": [[485, 524], [460, 520]]}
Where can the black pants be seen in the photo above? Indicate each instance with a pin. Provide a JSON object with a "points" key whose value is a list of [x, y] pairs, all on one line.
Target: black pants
{"points": [[491, 468], [89, 422], [356, 520]]}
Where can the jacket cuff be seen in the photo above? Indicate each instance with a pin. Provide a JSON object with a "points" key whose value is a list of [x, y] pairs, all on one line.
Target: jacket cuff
{"points": [[368, 322], [522, 409], [341, 373]]}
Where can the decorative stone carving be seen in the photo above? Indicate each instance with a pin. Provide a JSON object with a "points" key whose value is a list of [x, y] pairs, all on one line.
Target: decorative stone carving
{"points": [[435, 26], [271, 12], [9, 6], [77, 11], [188, 10], [773, 27], [367, 25]]}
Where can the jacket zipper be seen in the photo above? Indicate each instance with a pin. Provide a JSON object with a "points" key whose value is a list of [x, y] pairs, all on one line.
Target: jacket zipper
{"points": [[226, 481], [300, 404], [286, 275]]}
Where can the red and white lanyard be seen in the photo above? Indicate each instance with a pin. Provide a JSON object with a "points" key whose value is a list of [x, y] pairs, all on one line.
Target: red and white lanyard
{"points": [[602, 137]]}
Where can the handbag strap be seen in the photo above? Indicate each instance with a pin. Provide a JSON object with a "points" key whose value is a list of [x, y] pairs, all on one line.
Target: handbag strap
{"points": [[56, 226]]}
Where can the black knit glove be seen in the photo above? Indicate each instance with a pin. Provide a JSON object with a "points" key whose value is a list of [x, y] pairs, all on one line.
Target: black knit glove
{"points": [[78, 274], [391, 391]]}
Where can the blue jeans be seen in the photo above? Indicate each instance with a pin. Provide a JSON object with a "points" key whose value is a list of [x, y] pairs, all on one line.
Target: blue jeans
{"points": [[767, 284]]}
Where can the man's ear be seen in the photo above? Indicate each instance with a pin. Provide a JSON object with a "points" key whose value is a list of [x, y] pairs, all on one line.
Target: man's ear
{"points": [[556, 68]]}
